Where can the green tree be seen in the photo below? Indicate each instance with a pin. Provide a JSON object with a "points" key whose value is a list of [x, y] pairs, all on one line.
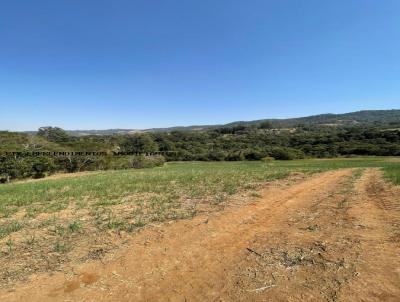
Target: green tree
{"points": [[53, 134], [266, 125], [140, 143]]}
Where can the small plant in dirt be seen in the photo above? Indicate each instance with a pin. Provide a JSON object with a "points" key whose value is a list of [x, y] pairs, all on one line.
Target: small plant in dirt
{"points": [[10, 227], [59, 230], [30, 240], [135, 225], [60, 247], [113, 223], [10, 245], [312, 228], [343, 204], [219, 199], [255, 194], [75, 227]]}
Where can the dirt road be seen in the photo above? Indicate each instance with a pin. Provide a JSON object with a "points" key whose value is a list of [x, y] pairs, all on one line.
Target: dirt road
{"points": [[332, 237]]}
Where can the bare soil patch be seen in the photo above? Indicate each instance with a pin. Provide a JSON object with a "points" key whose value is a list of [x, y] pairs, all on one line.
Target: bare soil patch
{"points": [[60, 240], [331, 237]]}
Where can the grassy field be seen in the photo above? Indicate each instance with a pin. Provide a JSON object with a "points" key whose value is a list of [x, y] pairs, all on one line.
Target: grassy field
{"points": [[392, 173], [175, 182], [165, 188], [64, 217]]}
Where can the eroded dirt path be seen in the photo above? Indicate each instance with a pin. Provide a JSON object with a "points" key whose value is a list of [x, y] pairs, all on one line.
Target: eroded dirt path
{"points": [[332, 237]]}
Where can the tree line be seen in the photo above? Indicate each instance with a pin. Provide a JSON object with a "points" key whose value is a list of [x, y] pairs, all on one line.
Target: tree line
{"points": [[230, 143]]}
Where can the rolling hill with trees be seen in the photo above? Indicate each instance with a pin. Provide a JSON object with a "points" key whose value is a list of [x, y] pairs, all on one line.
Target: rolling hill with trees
{"points": [[365, 117], [360, 133]]}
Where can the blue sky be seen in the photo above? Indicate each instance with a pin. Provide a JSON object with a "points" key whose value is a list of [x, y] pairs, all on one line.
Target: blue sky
{"points": [[85, 64]]}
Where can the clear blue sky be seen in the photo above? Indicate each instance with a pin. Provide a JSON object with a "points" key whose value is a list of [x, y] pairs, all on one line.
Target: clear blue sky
{"points": [[94, 64]]}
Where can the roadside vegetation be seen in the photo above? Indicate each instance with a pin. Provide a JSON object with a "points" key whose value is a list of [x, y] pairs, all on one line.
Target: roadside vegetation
{"points": [[392, 173]]}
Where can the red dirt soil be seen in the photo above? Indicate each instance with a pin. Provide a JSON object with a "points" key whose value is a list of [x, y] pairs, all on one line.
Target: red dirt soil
{"points": [[331, 237]]}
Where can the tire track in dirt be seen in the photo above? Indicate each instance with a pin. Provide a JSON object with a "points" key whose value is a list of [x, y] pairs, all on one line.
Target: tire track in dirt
{"points": [[344, 247], [191, 260], [376, 208]]}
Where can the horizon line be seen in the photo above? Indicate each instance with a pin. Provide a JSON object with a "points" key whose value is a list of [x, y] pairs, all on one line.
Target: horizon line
{"points": [[205, 124]]}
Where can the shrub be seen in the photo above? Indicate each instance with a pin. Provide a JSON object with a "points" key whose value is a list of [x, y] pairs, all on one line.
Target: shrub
{"points": [[235, 156], [16, 167], [114, 163], [77, 163], [253, 155], [217, 155], [42, 166], [140, 162], [286, 153], [4, 178]]}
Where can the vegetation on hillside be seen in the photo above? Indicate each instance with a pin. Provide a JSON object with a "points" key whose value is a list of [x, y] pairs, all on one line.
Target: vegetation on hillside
{"points": [[389, 118], [311, 137]]}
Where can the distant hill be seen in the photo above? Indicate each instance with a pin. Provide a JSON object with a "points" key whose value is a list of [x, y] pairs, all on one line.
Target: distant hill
{"points": [[365, 117], [345, 119], [131, 131]]}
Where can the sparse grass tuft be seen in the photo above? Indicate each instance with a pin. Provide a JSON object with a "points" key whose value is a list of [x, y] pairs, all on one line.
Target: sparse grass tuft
{"points": [[393, 173], [30, 241], [10, 245], [75, 227], [60, 247], [10, 227]]}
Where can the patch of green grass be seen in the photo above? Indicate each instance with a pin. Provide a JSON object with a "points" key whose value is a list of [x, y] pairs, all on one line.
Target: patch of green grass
{"points": [[75, 227], [48, 222], [192, 180], [60, 230], [393, 173], [10, 227], [338, 163], [106, 202], [113, 222]]}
